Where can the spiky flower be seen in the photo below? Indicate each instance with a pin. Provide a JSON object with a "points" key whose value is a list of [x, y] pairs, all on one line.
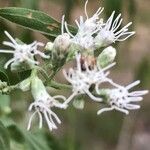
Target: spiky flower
{"points": [[86, 29], [43, 104], [121, 99], [111, 32], [22, 52], [81, 80]]}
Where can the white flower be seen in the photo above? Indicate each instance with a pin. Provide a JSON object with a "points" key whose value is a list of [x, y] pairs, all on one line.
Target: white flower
{"points": [[82, 80], [90, 25], [22, 52], [122, 100], [111, 33], [43, 105], [86, 29]]}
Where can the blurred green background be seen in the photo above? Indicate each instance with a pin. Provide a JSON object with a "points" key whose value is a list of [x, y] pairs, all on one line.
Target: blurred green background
{"points": [[83, 129]]}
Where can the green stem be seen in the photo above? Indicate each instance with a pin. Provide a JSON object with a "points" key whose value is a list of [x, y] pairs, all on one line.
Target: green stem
{"points": [[59, 86], [33, 73]]}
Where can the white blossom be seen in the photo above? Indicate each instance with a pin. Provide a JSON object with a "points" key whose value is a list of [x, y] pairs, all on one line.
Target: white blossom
{"points": [[22, 52], [81, 81], [43, 105], [110, 32], [86, 29], [122, 100]]}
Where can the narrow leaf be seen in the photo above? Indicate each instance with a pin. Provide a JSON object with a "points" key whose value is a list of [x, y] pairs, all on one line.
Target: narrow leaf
{"points": [[4, 138], [33, 19]]}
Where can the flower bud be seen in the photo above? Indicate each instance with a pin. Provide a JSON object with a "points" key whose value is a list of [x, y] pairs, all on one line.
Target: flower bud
{"points": [[106, 57], [78, 103], [49, 46], [62, 42], [3, 85], [38, 89], [103, 39]]}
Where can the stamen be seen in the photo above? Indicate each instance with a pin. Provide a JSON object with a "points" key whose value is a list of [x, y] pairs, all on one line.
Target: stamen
{"points": [[9, 62], [62, 24], [10, 37], [133, 84], [30, 120], [67, 29], [9, 44], [104, 110], [7, 51], [85, 9], [97, 99]]}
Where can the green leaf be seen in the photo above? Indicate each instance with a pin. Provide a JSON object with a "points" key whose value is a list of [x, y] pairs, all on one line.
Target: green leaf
{"points": [[34, 20], [3, 73], [3, 76], [4, 138], [4, 104], [29, 140]]}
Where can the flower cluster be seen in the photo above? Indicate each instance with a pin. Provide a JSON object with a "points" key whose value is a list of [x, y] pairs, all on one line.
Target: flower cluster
{"points": [[92, 71], [94, 33], [94, 56], [118, 98]]}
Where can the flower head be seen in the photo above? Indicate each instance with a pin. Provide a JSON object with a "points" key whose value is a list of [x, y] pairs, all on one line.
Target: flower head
{"points": [[43, 105], [110, 32], [82, 80], [122, 100], [86, 29], [22, 52]]}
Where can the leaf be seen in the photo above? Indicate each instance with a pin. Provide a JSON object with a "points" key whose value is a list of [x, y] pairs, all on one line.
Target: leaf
{"points": [[4, 104], [109, 7], [4, 138], [3, 74], [34, 20], [31, 141]]}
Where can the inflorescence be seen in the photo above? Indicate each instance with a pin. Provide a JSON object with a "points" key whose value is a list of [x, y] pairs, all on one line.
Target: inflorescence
{"points": [[90, 73]]}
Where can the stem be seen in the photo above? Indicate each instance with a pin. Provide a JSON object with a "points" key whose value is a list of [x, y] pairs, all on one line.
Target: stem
{"points": [[33, 73], [59, 86]]}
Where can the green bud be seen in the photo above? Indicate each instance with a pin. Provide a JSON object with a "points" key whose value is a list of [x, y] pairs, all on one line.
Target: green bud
{"points": [[38, 89], [25, 85], [104, 94], [106, 57], [78, 103], [3, 85], [49, 46]]}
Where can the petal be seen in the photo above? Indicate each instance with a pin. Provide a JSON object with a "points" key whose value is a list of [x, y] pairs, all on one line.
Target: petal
{"points": [[138, 93], [134, 99], [104, 110], [133, 84], [132, 106], [121, 110]]}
